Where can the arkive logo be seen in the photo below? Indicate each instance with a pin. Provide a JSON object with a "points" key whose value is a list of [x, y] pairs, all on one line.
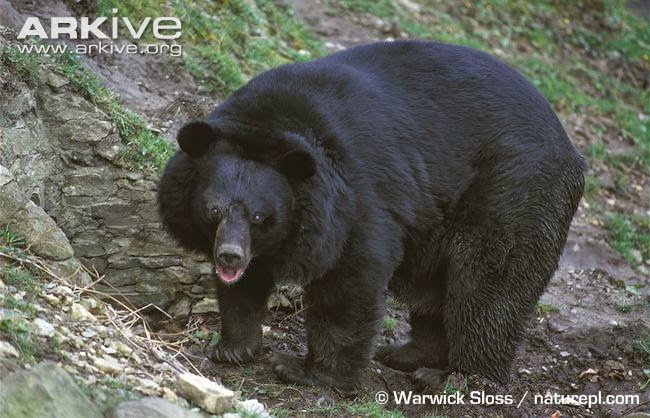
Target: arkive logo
{"points": [[162, 28]]}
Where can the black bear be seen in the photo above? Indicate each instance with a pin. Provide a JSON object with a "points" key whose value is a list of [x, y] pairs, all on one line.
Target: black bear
{"points": [[433, 170]]}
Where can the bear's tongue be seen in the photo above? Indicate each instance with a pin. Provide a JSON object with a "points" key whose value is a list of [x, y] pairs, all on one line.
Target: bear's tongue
{"points": [[228, 275]]}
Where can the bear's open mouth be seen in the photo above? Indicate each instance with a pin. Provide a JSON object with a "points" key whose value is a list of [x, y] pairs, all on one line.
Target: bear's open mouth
{"points": [[228, 275]]}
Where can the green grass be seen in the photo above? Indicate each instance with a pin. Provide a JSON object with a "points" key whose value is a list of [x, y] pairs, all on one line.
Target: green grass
{"points": [[11, 242], [370, 408], [21, 278], [27, 66], [630, 307], [17, 331], [364, 406], [227, 42], [630, 234], [389, 323], [643, 346], [592, 185], [544, 308]]}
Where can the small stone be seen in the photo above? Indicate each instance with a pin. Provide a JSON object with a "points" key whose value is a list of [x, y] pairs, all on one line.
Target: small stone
{"points": [[210, 396], [206, 305], [564, 354], [77, 341], [56, 81], [252, 408], [147, 383], [523, 371], [43, 328], [92, 305], [123, 349], [88, 333], [79, 312], [8, 350], [181, 308], [169, 394], [108, 364], [109, 349], [554, 325], [52, 300]]}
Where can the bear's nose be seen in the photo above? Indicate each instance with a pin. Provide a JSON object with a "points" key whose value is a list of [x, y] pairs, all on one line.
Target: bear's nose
{"points": [[230, 255]]}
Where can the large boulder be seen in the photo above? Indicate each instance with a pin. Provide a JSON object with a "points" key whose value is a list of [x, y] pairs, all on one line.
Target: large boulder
{"points": [[45, 391]]}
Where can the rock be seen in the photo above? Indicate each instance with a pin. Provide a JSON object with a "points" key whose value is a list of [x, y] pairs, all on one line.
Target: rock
{"points": [[410, 6], [181, 308], [5, 176], [43, 392], [51, 299], [7, 350], [108, 364], [210, 396], [88, 333], [79, 312], [123, 349], [43, 328], [206, 305], [150, 408], [252, 408], [56, 81], [92, 305]]}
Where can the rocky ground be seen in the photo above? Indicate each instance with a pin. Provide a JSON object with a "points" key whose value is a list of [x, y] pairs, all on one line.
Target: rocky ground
{"points": [[590, 334]]}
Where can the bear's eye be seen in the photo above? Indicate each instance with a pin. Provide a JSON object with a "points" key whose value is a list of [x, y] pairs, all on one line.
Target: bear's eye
{"points": [[258, 218], [215, 212]]}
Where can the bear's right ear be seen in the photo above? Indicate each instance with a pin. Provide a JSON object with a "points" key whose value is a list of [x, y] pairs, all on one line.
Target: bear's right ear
{"points": [[195, 137]]}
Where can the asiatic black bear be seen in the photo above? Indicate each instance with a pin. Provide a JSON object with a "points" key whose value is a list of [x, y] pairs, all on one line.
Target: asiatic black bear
{"points": [[433, 169]]}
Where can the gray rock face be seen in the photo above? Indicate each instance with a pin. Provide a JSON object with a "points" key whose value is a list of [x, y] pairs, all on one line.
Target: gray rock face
{"points": [[45, 238], [43, 392], [151, 408], [63, 178]]}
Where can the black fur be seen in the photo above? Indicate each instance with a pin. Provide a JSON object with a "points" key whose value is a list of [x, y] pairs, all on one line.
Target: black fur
{"points": [[435, 170]]}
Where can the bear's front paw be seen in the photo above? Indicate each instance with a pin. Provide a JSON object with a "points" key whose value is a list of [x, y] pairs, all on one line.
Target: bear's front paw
{"points": [[234, 353]]}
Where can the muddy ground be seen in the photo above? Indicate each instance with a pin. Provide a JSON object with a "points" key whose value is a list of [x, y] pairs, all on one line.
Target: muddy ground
{"points": [[581, 342]]}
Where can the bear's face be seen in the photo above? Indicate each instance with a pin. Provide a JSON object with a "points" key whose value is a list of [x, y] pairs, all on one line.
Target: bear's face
{"points": [[245, 206], [231, 195]]}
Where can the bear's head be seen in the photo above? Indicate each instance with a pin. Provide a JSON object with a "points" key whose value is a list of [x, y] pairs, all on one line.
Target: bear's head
{"points": [[231, 196]]}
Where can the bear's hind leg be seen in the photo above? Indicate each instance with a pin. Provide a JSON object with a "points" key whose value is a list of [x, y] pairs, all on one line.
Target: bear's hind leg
{"points": [[494, 283]]}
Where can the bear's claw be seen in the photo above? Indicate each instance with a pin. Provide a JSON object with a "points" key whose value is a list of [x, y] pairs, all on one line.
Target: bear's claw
{"points": [[225, 353]]}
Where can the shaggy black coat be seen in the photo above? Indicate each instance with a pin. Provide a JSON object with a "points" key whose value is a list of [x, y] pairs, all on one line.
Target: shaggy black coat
{"points": [[434, 170]]}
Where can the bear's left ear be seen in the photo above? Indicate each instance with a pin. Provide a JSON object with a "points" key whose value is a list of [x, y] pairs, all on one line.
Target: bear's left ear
{"points": [[297, 160], [297, 164], [195, 137]]}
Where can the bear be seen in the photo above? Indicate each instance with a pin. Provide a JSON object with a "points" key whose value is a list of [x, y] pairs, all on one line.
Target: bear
{"points": [[434, 171]]}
